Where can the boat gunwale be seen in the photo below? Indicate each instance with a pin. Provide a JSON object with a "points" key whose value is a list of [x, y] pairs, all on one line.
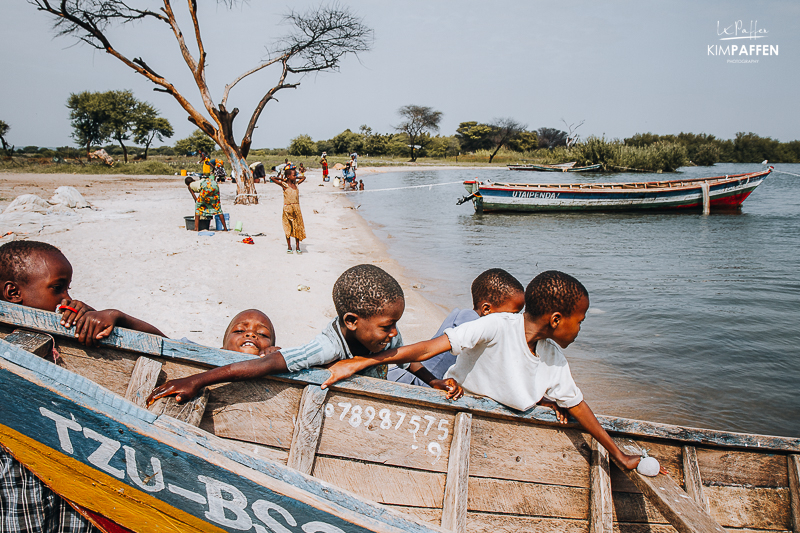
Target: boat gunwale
{"points": [[616, 187], [29, 318]]}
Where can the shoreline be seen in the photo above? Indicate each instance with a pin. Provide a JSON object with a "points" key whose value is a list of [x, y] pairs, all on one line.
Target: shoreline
{"points": [[134, 254]]}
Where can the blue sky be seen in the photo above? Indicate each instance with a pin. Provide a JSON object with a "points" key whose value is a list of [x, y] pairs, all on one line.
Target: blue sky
{"points": [[622, 67]]}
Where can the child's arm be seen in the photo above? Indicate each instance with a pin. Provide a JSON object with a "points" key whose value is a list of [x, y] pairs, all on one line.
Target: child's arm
{"points": [[187, 388], [586, 417], [300, 180], [420, 351], [451, 386], [95, 325]]}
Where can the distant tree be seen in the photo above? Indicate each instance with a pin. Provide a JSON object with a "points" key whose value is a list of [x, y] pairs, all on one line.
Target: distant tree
{"points": [[474, 136], [417, 121], [198, 141], [705, 155], [3, 132], [89, 114], [551, 137], [302, 145], [347, 142], [319, 38], [324, 146], [122, 108], [148, 126], [503, 130], [525, 141]]}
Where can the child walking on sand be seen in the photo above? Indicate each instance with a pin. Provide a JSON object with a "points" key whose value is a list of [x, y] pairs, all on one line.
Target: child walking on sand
{"points": [[493, 291], [368, 303], [292, 217], [517, 360]]}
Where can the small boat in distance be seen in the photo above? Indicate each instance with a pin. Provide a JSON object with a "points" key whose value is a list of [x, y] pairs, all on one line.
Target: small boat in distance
{"points": [[561, 167], [719, 192]]}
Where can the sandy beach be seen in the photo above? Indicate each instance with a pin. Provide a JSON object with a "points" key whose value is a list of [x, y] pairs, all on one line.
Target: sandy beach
{"points": [[132, 252]]}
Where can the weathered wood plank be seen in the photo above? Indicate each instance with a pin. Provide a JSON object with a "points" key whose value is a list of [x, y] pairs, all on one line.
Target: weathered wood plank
{"points": [[389, 433], [750, 507], [48, 322], [793, 464], [261, 411], [203, 355], [190, 412], [307, 429], [530, 499], [525, 452], [456, 490], [672, 502], [691, 478], [143, 379], [383, 484], [624, 527], [492, 523], [426, 514], [34, 342], [732, 467], [601, 512], [636, 508]]}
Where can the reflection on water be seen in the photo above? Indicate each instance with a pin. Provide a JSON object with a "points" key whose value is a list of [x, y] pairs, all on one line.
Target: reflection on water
{"points": [[694, 320]]}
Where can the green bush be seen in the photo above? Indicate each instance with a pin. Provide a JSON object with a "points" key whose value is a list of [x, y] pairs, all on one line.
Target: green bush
{"points": [[302, 145]]}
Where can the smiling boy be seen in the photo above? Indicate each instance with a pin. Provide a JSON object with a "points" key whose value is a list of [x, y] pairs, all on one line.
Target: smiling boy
{"points": [[368, 303], [250, 331]]}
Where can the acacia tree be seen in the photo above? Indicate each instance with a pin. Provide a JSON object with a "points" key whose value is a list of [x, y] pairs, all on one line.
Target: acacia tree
{"points": [[122, 108], [503, 130], [319, 38], [418, 120], [148, 126]]}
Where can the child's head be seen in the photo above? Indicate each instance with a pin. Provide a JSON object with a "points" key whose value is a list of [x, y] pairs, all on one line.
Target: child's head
{"points": [[250, 332], [369, 303], [497, 291], [35, 274], [560, 300], [188, 180]]}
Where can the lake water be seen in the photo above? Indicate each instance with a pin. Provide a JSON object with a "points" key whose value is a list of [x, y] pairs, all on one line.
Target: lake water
{"points": [[693, 320]]}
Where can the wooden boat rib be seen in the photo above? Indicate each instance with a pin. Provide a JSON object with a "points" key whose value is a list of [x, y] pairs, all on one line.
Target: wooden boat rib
{"points": [[280, 454], [723, 192], [563, 167]]}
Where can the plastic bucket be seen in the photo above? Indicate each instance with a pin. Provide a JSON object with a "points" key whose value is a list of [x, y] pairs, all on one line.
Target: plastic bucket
{"points": [[218, 221], [336, 182], [183, 172], [202, 226]]}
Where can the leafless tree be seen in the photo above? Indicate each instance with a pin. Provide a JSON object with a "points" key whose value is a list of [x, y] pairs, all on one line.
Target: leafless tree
{"points": [[318, 40], [572, 137], [503, 130]]}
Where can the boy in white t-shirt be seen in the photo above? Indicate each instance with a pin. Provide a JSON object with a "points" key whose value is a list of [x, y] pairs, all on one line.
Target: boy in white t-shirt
{"points": [[515, 359]]}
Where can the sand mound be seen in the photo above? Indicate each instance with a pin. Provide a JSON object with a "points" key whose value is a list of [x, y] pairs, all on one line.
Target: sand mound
{"points": [[70, 197]]}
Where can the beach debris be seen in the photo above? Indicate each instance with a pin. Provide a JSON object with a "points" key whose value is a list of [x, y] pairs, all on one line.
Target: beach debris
{"points": [[206, 233], [303, 288], [103, 156], [248, 240], [70, 197], [28, 203], [418, 286]]}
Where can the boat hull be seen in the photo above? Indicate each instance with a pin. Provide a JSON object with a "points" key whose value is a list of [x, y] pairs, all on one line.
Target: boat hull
{"points": [[557, 168], [724, 193]]}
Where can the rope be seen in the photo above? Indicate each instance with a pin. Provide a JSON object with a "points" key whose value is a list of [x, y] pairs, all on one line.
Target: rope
{"points": [[782, 172], [429, 186]]}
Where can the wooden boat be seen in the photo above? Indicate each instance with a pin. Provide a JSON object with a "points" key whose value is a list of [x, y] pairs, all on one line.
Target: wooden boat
{"points": [[720, 192], [280, 454], [562, 167]]}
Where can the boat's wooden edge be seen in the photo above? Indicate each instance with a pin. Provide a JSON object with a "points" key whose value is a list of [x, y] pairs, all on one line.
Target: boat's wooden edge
{"points": [[19, 316], [650, 185], [187, 438]]}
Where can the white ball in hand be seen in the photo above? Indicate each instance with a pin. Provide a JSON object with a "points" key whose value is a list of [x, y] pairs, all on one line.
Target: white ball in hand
{"points": [[648, 466]]}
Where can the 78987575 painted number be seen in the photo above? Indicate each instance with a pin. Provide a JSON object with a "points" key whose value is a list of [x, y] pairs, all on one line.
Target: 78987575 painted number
{"points": [[422, 426]]}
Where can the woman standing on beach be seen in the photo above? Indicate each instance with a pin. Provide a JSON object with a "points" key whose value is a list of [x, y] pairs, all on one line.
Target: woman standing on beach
{"points": [[206, 199], [292, 217]]}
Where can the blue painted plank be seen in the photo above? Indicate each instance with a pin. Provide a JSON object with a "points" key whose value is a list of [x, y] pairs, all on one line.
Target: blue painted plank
{"points": [[28, 317], [175, 474], [197, 353]]}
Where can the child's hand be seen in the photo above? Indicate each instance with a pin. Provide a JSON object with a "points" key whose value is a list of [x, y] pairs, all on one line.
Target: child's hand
{"points": [[562, 414], [95, 325], [341, 370], [631, 461], [182, 389], [454, 390], [269, 350], [72, 311]]}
